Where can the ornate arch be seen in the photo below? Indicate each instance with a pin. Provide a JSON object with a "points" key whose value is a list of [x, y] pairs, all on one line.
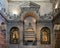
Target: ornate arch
{"points": [[32, 14]]}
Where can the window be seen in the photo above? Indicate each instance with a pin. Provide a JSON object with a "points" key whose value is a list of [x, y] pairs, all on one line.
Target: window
{"points": [[45, 35], [14, 35]]}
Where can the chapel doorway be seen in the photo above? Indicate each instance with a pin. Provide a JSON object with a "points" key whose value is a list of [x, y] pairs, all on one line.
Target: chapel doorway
{"points": [[29, 34]]}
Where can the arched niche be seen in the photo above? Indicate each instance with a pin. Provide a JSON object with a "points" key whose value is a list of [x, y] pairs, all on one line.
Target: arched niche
{"points": [[45, 35], [14, 35], [29, 26]]}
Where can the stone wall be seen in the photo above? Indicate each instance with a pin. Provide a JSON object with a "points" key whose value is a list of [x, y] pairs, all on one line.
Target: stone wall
{"points": [[40, 25]]}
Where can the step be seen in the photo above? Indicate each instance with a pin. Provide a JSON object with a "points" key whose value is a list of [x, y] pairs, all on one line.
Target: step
{"points": [[29, 39], [29, 36], [29, 32]]}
